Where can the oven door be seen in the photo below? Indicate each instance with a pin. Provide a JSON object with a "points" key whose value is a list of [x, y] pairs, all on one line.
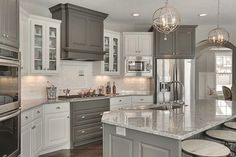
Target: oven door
{"points": [[9, 83], [10, 134]]}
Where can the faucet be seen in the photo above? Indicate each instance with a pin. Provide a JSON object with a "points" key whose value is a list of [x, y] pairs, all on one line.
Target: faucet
{"points": [[66, 91], [183, 92]]}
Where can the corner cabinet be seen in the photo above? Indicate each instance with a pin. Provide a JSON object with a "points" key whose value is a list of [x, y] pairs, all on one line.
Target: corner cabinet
{"points": [[45, 45], [9, 24], [111, 59], [179, 44], [138, 43]]}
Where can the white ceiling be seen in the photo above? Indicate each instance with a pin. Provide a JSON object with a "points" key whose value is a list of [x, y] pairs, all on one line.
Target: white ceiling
{"points": [[120, 10]]}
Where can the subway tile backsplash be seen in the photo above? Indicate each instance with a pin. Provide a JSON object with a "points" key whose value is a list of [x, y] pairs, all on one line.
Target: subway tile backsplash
{"points": [[76, 76]]}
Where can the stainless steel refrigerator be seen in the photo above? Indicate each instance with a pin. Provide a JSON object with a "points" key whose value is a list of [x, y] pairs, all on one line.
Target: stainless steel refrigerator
{"points": [[174, 80]]}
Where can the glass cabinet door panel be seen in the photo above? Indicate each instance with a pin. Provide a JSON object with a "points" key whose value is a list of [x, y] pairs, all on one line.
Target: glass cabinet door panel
{"points": [[115, 54], [38, 47], [52, 48], [107, 53]]}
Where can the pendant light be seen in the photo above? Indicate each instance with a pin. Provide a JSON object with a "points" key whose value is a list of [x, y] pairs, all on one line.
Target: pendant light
{"points": [[218, 36], [166, 19]]}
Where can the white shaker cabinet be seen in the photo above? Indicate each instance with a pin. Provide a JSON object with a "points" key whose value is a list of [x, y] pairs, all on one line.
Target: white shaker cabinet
{"points": [[138, 44], [56, 126], [26, 141], [37, 137], [45, 45]]}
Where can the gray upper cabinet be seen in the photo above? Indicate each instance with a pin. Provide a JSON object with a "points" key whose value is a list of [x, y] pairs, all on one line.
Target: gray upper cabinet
{"points": [[82, 32], [179, 44], [9, 23]]}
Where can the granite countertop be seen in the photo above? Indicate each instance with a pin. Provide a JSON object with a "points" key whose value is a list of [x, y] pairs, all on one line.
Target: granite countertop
{"points": [[28, 104], [201, 115]]}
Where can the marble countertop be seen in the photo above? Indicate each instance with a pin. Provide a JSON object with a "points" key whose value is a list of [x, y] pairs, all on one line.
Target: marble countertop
{"points": [[29, 104], [201, 115]]}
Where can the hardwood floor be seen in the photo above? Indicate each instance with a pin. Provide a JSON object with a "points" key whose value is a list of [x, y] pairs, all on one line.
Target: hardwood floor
{"points": [[89, 150]]}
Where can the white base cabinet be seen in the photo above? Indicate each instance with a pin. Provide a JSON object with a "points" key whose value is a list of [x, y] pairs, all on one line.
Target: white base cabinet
{"points": [[31, 134], [45, 129]]}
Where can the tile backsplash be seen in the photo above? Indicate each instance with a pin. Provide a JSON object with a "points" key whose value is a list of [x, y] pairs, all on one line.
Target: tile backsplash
{"points": [[76, 76]]}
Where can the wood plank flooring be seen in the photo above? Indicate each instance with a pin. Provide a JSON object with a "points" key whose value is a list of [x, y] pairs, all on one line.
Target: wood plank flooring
{"points": [[89, 150]]}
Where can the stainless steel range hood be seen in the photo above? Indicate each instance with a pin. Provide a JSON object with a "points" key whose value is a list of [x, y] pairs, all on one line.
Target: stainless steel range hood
{"points": [[81, 32]]}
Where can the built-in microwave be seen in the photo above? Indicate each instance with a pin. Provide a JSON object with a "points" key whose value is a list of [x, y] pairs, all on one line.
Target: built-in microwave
{"points": [[139, 66]]}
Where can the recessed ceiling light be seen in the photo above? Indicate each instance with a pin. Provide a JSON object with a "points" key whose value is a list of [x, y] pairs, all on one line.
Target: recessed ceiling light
{"points": [[135, 14], [202, 15]]}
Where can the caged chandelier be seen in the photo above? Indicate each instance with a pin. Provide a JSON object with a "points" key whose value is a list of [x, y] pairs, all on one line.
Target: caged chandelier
{"points": [[218, 36], [166, 19]]}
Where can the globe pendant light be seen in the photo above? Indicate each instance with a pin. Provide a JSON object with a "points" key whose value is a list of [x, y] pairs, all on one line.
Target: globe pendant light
{"points": [[218, 36], [166, 19]]}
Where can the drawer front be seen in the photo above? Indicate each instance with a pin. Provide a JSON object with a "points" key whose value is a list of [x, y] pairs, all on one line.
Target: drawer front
{"points": [[26, 117], [86, 119], [57, 107], [37, 112], [120, 100], [91, 104], [142, 99], [87, 133]]}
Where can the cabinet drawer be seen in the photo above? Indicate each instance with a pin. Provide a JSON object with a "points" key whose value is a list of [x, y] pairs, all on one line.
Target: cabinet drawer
{"points": [[120, 100], [26, 117], [37, 112], [86, 119], [88, 133], [57, 107], [142, 99], [90, 104]]}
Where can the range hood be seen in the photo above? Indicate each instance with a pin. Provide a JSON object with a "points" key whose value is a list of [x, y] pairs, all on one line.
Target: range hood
{"points": [[81, 32]]}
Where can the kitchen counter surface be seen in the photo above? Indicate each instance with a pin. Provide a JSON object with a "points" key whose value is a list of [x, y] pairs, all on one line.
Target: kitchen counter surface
{"points": [[201, 115], [28, 104]]}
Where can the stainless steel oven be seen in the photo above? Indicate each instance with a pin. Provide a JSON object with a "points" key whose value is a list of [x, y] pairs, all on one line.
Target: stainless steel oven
{"points": [[138, 66], [10, 134], [10, 85]]}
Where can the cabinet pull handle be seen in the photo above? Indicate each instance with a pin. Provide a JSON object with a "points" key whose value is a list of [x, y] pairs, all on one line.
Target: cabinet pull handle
{"points": [[101, 114], [26, 117], [101, 127], [141, 99], [83, 132], [83, 117], [120, 100], [68, 116], [6, 36], [38, 111], [58, 108], [33, 127]]}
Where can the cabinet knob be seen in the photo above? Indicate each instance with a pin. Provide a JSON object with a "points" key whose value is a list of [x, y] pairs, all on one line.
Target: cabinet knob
{"points": [[6, 36], [26, 117], [58, 108], [101, 114], [141, 99], [33, 127], [68, 116], [3, 35], [83, 117], [38, 111], [83, 132], [101, 127], [120, 100]]}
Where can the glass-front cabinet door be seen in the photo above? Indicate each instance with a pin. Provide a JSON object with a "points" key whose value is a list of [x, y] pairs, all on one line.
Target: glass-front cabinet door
{"points": [[111, 62], [45, 47]]}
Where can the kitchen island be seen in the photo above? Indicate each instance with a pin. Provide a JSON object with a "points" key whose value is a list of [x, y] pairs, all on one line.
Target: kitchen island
{"points": [[158, 133]]}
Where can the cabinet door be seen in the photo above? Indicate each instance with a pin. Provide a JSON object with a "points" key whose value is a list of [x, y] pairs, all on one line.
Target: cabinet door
{"points": [[37, 47], [146, 44], [115, 66], [95, 34], [26, 141], [185, 43], [52, 52], [37, 136], [131, 45], [107, 48], [164, 48], [2, 20], [12, 23], [57, 128]]}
